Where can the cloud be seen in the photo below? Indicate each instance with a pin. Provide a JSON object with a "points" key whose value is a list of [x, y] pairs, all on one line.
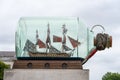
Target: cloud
{"points": [[7, 47], [7, 39], [102, 12]]}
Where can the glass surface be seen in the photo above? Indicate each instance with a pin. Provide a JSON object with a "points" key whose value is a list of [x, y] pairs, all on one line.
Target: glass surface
{"points": [[52, 37]]}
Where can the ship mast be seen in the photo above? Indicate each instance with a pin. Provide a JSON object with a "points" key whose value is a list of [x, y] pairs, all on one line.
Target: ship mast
{"points": [[64, 38], [39, 42], [48, 41], [37, 36]]}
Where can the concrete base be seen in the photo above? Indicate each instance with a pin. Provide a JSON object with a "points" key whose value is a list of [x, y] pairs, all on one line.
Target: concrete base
{"points": [[46, 74]]}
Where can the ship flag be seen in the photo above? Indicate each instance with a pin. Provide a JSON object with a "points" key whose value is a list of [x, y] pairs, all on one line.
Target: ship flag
{"points": [[74, 42], [57, 39]]}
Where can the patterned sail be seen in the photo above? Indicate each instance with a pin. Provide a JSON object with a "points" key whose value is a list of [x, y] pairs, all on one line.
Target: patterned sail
{"points": [[74, 42], [29, 46], [57, 39]]}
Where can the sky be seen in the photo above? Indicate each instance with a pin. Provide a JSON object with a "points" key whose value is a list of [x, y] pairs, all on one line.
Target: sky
{"points": [[91, 12]]}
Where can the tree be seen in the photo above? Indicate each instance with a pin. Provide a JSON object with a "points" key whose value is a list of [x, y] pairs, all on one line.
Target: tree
{"points": [[111, 76], [2, 67]]}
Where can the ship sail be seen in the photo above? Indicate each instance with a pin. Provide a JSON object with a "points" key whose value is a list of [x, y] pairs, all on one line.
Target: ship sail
{"points": [[62, 40], [74, 42], [41, 44], [57, 39], [48, 42], [29, 46]]}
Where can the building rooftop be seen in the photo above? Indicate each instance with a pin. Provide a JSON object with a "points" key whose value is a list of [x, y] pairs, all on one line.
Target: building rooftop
{"points": [[7, 53], [7, 56]]}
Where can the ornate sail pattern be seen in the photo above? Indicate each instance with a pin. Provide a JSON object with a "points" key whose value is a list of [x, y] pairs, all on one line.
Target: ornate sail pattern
{"points": [[29, 46]]}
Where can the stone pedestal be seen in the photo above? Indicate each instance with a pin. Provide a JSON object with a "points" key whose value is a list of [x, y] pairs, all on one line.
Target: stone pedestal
{"points": [[46, 74], [47, 64]]}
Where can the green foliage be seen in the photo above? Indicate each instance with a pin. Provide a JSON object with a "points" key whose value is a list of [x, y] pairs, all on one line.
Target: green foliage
{"points": [[111, 76], [2, 67]]}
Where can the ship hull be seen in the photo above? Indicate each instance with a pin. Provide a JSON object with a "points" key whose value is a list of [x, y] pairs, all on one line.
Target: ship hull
{"points": [[37, 54]]}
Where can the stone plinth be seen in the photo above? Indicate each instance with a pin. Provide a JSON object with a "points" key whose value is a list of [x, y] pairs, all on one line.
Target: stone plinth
{"points": [[47, 64], [46, 74]]}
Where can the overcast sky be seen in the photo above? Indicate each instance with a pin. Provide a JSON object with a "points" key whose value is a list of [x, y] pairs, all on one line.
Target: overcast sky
{"points": [[91, 12]]}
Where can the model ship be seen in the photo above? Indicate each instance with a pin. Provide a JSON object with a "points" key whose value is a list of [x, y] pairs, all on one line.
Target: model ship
{"points": [[51, 51]]}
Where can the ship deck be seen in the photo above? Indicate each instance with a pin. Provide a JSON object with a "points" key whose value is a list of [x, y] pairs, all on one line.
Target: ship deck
{"points": [[50, 58]]}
